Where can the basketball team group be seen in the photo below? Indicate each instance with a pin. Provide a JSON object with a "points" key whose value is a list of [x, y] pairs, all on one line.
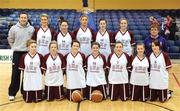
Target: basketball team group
{"points": [[87, 65]]}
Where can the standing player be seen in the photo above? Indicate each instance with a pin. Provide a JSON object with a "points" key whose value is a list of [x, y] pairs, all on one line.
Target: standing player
{"points": [[140, 75], [84, 35], [103, 37], [31, 64], [154, 31], [75, 63], [17, 38], [43, 35], [64, 38], [96, 66], [118, 63], [125, 36], [160, 65], [54, 66]]}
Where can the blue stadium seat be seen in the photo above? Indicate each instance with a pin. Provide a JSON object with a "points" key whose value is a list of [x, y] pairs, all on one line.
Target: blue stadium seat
{"points": [[3, 47], [136, 32], [138, 37], [170, 43], [177, 43], [139, 41], [4, 42], [3, 36], [174, 52], [173, 49]]}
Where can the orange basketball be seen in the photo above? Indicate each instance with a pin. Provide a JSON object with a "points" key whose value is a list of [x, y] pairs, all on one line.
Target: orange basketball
{"points": [[77, 96], [96, 96]]}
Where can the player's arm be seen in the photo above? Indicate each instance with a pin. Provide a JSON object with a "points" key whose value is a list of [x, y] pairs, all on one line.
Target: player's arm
{"points": [[11, 36]]}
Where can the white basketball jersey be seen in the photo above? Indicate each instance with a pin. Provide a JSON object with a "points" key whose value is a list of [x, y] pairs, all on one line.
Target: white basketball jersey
{"points": [[43, 40], [140, 74], [95, 70], [126, 41], [158, 72], [75, 71], [85, 38], [118, 73], [104, 41], [64, 43], [32, 79], [54, 73]]}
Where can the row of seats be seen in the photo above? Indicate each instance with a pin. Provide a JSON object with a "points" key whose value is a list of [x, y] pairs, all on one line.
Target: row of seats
{"points": [[138, 21]]}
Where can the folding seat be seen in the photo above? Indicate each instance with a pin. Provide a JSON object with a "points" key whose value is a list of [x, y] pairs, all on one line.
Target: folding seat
{"points": [[133, 27], [5, 31], [139, 41], [173, 49], [4, 22], [144, 32], [136, 32], [174, 52], [138, 37], [9, 19], [170, 43], [141, 27], [4, 42], [2, 26], [3, 36], [13, 15], [177, 43], [3, 46]]}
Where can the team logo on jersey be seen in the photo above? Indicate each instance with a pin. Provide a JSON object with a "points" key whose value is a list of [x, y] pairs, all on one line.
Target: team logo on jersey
{"points": [[54, 68], [43, 42], [94, 68], [117, 68], [43, 36], [155, 67], [84, 40], [73, 66], [31, 63], [140, 69], [31, 68], [63, 45], [102, 44]]}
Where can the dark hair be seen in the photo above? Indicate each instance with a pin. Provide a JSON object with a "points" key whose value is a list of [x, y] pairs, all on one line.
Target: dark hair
{"points": [[53, 42], [118, 42], [102, 19], [61, 20], [23, 12], [140, 43], [157, 43], [95, 43], [75, 41]]}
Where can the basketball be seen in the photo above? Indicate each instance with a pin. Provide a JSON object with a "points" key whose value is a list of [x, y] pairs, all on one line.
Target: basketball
{"points": [[77, 96], [96, 96]]}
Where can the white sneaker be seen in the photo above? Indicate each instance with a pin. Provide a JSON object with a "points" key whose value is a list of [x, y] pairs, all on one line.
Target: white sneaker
{"points": [[11, 98], [169, 95]]}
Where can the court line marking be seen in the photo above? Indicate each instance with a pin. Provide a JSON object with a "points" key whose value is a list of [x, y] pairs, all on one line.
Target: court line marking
{"points": [[176, 79], [78, 106], [10, 102], [159, 106]]}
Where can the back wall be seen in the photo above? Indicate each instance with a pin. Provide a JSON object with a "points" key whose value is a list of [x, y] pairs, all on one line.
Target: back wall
{"points": [[94, 4]]}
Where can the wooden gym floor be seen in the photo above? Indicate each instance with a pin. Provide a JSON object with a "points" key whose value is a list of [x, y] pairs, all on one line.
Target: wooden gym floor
{"points": [[19, 105]]}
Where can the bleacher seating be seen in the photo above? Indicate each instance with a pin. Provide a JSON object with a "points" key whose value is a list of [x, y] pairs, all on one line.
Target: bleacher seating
{"points": [[138, 22]]}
